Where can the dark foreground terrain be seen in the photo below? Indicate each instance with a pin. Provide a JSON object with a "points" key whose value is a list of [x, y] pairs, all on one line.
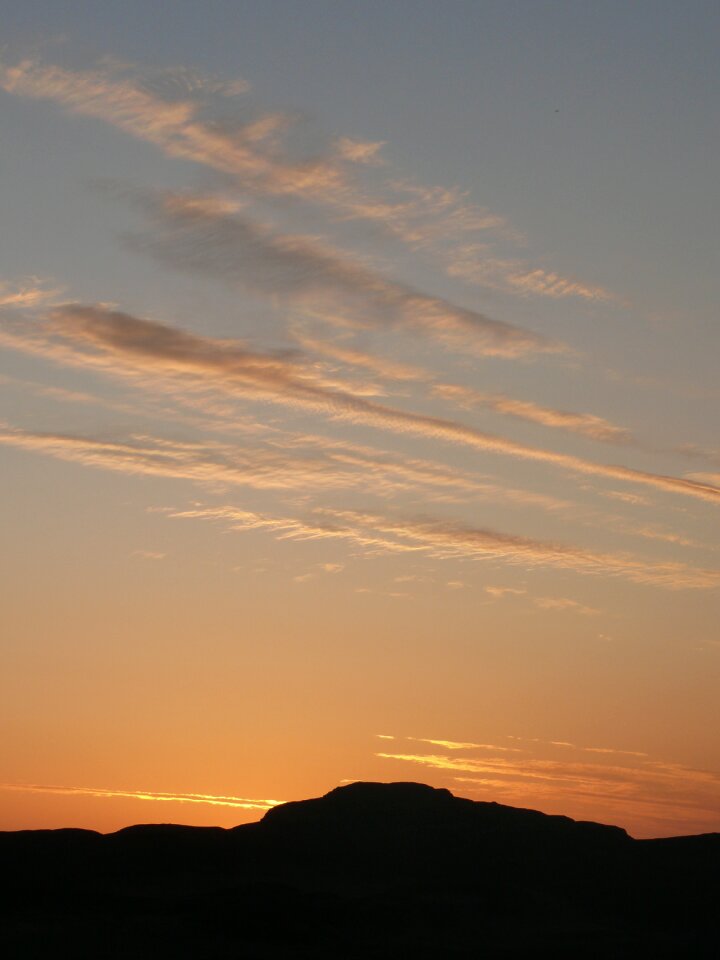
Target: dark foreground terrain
{"points": [[370, 870]]}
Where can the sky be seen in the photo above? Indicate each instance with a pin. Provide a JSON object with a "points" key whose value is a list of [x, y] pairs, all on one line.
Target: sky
{"points": [[358, 407]]}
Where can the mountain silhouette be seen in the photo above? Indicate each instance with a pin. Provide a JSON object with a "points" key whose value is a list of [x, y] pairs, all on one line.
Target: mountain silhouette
{"points": [[370, 870]]}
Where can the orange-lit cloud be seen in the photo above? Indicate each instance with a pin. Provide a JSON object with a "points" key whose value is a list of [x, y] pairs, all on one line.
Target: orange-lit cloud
{"points": [[172, 125], [647, 791], [564, 603], [165, 108], [104, 339], [706, 477], [288, 463], [358, 358], [359, 151], [454, 744], [443, 540], [504, 591], [216, 801], [625, 496], [551, 284], [587, 424], [26, 294], [476, 264], [192, 233]]}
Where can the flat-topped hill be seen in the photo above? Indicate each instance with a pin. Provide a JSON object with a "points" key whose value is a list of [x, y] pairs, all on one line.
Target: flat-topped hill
{"points": [[368, 870]]}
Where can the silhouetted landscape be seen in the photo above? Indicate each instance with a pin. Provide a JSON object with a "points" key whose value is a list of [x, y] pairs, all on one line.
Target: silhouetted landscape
{"points": [[368, 870]]}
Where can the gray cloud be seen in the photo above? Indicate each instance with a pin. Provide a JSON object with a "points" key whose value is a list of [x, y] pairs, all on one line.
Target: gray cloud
{"points": [[198, 234]]}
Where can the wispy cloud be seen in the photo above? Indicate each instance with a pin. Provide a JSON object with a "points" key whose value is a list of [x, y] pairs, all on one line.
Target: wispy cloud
{"points": [[564, 603], [446, 539], [586, 424], [476, 264], [650, 792], [566, 744], [168, 109], [713, 478], [44, 390], [504, 591], [292, 528], [288, 463], [390, 369], [195, 233], [650, 532], [208, 463], [443, 540], [697, 451], [454, 744], [551, 284], [109, 340], [100, 792], [204, 463], [171, 81], [174, 125], [360, 151], [28, 293], [636, 499]]}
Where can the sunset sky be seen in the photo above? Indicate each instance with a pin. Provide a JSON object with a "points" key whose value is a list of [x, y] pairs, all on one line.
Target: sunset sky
{"points": [[359, 407]]}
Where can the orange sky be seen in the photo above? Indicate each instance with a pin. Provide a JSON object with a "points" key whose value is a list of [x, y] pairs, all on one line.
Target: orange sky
{"points": [[353, 428]]}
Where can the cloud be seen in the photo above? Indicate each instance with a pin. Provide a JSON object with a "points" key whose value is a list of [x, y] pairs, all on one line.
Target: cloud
{"points": [[216, 801], [249, 153], [695, 450], [381, 366], [476, 264], [713, 478], [292, 528], [359, 151], [105, 339], [649, 532], [504, 591], [459, 745], [635, 499], [650, 792], [26, 294], [173, 80], [551, 284], [441, 540], [444, 540], [57, 393], [586, 424], [196, 234], [563, 603], [276, 461], [562, 777], [221, 465], [166, 107], [173, 125], [204, 463]]}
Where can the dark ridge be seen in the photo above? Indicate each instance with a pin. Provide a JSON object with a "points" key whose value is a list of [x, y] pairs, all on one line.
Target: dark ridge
{"points": [[368, 870]]}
